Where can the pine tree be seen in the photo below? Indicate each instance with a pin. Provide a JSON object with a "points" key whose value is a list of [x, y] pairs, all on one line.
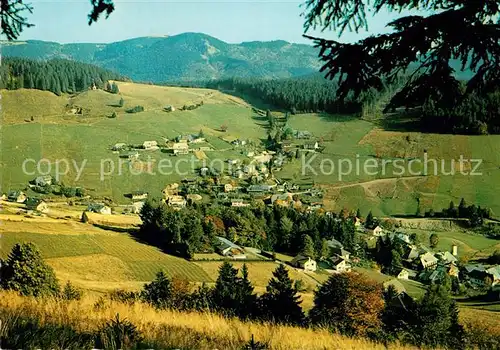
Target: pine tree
{"points": [[26, 272], [308, 247], [280, 302], [226, 292], [437, 320], [159, 292], [369, 222], [247, 298]]}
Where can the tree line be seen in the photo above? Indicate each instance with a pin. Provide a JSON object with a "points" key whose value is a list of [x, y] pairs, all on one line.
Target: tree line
{"points": [[348, 303], [57, 75], [276, 229]]}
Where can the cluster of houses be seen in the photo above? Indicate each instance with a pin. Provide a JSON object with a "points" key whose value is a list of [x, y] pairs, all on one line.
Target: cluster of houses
{"points": [[338, 260], [32, 204], [424, 265], [177, 146]]}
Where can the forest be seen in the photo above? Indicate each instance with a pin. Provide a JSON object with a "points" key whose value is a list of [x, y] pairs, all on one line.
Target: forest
{"points": [[276, 229], [57, 75]]}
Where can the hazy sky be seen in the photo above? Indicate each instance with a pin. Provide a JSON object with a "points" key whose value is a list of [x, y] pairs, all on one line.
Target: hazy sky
{"points": [[233, 21]]}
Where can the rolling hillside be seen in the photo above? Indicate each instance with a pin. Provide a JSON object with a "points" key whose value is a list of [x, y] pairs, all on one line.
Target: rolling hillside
{"points": [[183, 57]]}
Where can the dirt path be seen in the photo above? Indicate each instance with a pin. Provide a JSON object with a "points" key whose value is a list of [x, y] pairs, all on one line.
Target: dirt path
{"points": [[365, 184]]}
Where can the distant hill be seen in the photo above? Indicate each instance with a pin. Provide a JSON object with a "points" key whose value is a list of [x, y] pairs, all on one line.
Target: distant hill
{"points": [[183, 57]]}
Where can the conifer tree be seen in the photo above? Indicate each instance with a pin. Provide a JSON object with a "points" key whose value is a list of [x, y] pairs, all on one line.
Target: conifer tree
{"points": [[226, 294], [26, 272], [280, 303]]}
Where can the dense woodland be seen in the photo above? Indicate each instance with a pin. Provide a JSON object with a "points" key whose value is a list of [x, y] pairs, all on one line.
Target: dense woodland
{"points": [[57, 75]]}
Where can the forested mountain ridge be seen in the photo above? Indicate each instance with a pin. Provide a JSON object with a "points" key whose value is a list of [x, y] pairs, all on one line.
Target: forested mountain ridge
{"points": [[186, 56]]}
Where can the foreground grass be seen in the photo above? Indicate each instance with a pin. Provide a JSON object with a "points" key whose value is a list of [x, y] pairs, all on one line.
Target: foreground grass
{"points": [[177, 329]]}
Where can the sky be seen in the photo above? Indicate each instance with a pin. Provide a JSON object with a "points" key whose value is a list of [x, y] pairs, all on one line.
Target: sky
{"points": [[65, 21]]}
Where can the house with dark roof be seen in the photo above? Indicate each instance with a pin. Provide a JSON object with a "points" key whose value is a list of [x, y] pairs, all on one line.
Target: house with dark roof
{"points": [[16, 196], [304, 262], [99, 208], [36, 204]]}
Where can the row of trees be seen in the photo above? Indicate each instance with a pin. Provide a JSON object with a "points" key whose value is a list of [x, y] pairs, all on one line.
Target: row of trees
{"points": [[348, 303], [475, 214], [276, 228], [470, 114], [57, 75]]}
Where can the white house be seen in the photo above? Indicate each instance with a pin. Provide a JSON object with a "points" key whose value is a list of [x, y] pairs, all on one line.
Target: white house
{"points": [[99, 208], [150, 145], [339, 264], [406, 274], [43, 180], [377, 231], [36, 204], [304, 262]]}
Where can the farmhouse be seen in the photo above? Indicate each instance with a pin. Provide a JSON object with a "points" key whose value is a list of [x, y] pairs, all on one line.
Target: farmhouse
{"points": [[259, 188], [311, 145], [428, 260], [304, 262], [99, 208], [180, 148], [36, 204], [377, 231], [137, 207], [129, 155], [43, 180], [16, 196], [447, 257], [204, 171], [176, 201], [406, 274], [339, 264], [239, 203], [341, 252], [119, 146], [150, 145], [227, 248]]}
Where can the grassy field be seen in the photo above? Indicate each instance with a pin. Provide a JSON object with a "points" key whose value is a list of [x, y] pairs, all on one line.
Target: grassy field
{"points": [[99, 260]]}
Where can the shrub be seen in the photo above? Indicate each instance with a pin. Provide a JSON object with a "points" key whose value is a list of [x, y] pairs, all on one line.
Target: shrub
{"points": [[118, 334], [136, 109], [19, 332], [70, 292]]}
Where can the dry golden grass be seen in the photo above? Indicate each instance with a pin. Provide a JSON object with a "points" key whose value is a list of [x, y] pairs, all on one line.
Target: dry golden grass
{"points": [[95, 267], [181, 330], [50, 226]]}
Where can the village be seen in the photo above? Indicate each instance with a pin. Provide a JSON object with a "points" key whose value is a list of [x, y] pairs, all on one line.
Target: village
{"points": [[254, 176]]}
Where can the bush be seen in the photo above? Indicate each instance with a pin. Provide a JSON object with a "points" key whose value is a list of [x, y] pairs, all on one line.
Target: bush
{"points": [[70, 292], [118, 334], [136, 109], [28, 333]]}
